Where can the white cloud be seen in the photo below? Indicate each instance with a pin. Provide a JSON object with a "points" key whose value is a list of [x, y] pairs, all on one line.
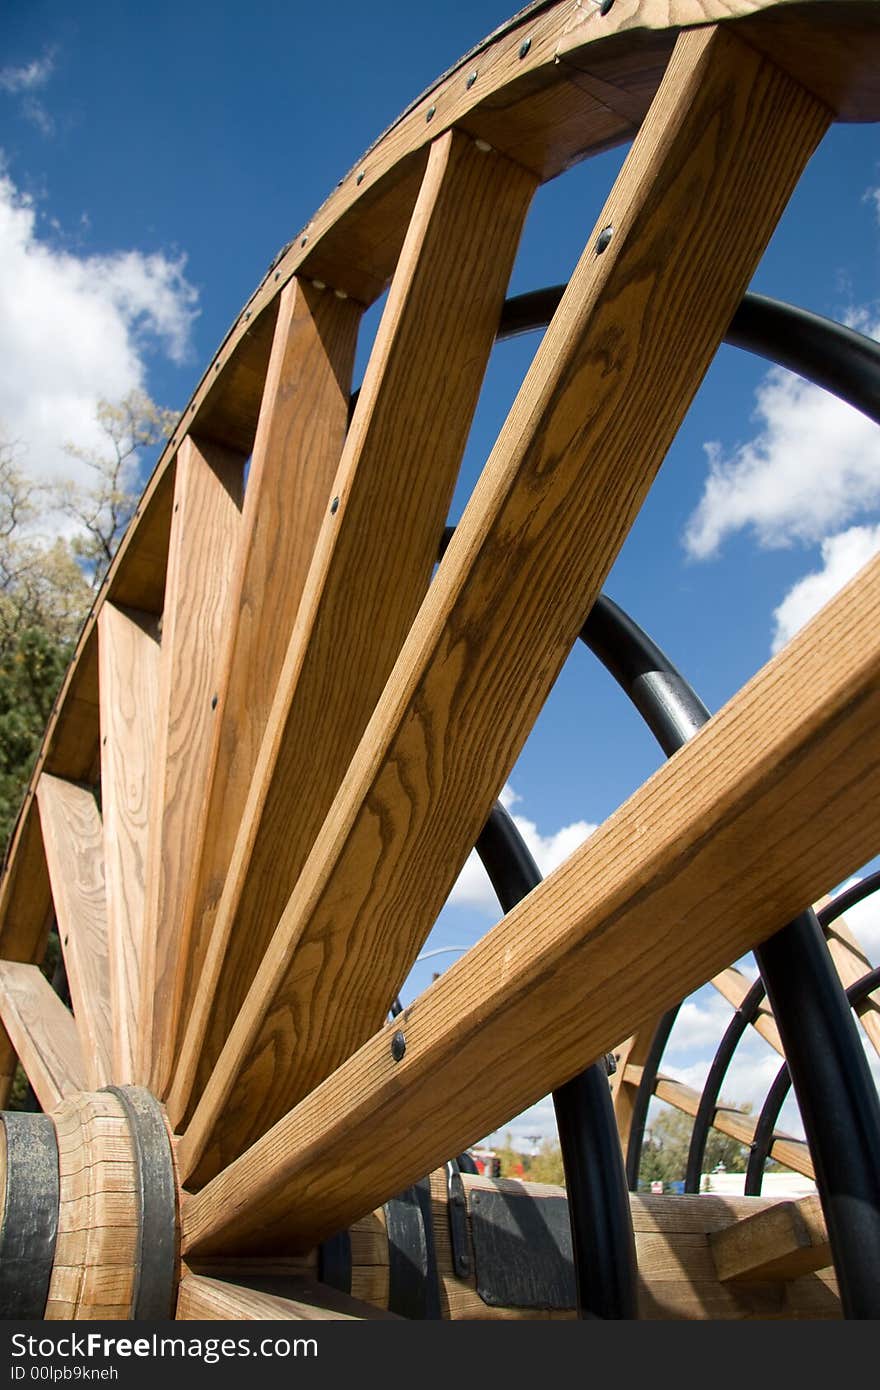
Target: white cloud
{"points": [[843, 556], [74, 329], [813, 465], [863, 921], [473, 889]]}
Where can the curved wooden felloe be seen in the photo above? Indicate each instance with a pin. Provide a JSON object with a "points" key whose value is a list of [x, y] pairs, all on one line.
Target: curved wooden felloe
{"points": [[279, 738]]}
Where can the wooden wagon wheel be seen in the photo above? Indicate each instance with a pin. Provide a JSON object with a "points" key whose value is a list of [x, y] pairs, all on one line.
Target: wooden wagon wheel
{"points": [[277, 743]]}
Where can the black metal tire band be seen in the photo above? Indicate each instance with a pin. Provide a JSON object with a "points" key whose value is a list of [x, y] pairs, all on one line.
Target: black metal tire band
{"points": [[156, 1263], [30, 1214], [413, 1284]]}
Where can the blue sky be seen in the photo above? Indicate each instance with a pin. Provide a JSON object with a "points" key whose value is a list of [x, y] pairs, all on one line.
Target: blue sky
{"points": [[154, 160]]}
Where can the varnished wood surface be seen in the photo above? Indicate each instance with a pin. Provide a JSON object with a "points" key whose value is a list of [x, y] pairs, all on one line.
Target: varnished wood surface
{"points": [[640, 321], [43, 1033], [302, 425], [727, 841], [97, 1247], [273, 1297], [204, 531], [128, 650], [785, 1241], [74, 841], [377, 546]]}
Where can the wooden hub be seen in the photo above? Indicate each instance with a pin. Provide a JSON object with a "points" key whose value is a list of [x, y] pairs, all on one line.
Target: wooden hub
{"points": [[90, 1210]]}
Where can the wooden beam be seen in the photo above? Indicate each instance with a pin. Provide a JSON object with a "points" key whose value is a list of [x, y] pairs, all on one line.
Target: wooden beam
{"points": [[74, 841], [204, 533], [42, 1032], [128, 657], [636, 329], [785, 1241], [301, 429], [725, 843], [738, 1124], [733, 986], [377, 549], [272, 1297]]}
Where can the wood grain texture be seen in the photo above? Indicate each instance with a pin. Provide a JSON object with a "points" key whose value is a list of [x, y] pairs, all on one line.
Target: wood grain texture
{"points": [[128, 651], [205, 526], [74, 840], [753, 818], [97, 1247], [376, 551], [271, 1298], [793, 1153], [786, 1241], [300, 434], [637, 327], [42, 1032]]}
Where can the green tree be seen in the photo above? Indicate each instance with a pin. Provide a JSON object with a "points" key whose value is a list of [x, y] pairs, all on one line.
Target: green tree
{"points": [[667, 1140]]}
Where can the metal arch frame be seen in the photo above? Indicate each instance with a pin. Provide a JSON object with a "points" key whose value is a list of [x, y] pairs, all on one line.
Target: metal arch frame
{"points": [[766, 1126]]}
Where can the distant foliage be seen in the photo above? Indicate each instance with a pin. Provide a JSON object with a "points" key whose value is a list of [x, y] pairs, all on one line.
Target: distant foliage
{"points": [[56, 545], [667, 1140]]}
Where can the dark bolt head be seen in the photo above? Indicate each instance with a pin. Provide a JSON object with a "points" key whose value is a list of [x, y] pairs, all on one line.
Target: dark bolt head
{"points": [[278, 275], [334, 506], [213, 702], [429, 114], [471, 79], [398, 1046], [524, 47], [603, 240], [304, 241], [605, 6], [361, 176]]}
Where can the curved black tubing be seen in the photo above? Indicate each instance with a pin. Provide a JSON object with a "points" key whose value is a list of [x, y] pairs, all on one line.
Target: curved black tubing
{"points": [[832, 356], [844, 901], [743, 1016], [601, 1225], [836, 1094], [766, 1126]]}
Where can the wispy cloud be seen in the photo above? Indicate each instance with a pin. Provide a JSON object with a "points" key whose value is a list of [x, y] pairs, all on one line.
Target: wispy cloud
{"points": [[25, 82]]}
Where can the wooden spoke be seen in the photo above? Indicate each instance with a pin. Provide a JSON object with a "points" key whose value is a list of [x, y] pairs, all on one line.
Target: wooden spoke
{"points": [[723, 845], [377, 549], [74, 840], [852, 964], [272, 1297], [793, 1153], [204, 532], [128, 650], [785, 1241], [296, 452], [733, 985], [43, 1033], [617, 368]]}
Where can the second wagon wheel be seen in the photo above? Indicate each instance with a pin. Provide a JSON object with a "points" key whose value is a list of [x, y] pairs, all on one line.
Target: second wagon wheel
{"points": [[280, 738]]}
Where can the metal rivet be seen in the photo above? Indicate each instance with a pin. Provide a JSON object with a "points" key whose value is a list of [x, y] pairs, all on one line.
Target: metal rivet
{"points": [[334, 506], [177, 506], [304, 241], [247, 314], [173, 442], [361, 176], [278, 275], [213, 702], [605, 6], [429, 114], [524, 47], [341, 294], [104, 741], [216, 366], [483, 146], [472, 77], [603, 240], [319, 284], [398, 1046]]}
